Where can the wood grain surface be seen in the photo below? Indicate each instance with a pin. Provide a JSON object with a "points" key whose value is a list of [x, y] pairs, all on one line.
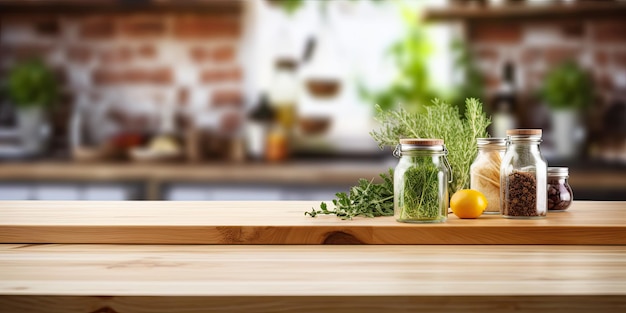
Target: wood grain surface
{"points": [[209, 278], [230, 222], [330, 304]]}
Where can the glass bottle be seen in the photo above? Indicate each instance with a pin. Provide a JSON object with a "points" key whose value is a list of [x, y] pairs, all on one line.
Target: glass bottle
{"points": [[523, 176], [505, 103], [485, 171], [283, 93], [258, 127], [421, 181], [560, 194], [276, 146]]}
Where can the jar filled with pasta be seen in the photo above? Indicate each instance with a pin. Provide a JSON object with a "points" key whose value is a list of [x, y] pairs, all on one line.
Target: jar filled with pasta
{"points": [[485, 171]]}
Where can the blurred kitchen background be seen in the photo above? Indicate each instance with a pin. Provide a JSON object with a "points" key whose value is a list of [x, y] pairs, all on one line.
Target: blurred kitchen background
{"points": [[274, 99]]}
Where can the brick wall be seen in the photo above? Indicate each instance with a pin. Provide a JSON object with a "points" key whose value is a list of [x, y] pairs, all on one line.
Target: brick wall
{"points": [[535, 46], [190, 61]]}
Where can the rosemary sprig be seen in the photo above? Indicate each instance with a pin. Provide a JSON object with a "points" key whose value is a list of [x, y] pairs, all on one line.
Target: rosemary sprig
{"points": [[366, 199], [420, 198], [441, 120]]}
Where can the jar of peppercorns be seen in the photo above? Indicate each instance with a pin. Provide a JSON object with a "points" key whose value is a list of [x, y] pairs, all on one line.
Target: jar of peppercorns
{"points": [[559, 191]]}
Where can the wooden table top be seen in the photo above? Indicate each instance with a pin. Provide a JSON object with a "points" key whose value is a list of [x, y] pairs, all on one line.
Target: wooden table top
{"points": [[209, 270], [303, 278], [284, 222]]}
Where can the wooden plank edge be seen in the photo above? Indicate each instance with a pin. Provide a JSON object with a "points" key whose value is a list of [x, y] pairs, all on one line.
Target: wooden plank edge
{"points": [[290, 235], [331, 304]]}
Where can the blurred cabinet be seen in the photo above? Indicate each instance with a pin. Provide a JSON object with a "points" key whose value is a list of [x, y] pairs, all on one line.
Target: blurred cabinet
{"points": [[176, 192], [69, 191], [15, 192], [210, 192], [186, 182]]}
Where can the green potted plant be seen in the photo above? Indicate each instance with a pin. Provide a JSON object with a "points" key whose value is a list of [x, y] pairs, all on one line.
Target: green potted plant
{"points": [[567, 87], [32, 88], [567, 90]]}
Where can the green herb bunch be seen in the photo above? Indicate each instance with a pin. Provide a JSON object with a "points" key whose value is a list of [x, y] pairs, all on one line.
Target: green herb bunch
{"points": [[366, 199], [568, 86], [419, 196], [412, 87], [440, 120], [31, 83]]}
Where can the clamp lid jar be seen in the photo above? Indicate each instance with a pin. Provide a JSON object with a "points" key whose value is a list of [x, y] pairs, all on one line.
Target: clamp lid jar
{"points": [[421, 181]]}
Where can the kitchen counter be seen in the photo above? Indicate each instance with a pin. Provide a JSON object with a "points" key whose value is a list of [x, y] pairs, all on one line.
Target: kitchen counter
{"points": [[586, 181], [74, 277], [291, 172], [154, 175]]}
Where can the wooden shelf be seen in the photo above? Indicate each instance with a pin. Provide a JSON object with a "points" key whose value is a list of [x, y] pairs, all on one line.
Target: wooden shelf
{"points": [[320, 172], [117, 6], [153, 177], [527, 12], [284, 222], [339, 173]]}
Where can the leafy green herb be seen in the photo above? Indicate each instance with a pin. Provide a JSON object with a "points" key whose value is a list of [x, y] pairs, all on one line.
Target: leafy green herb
{"points": [[472, 84], [412, 87], [440, 120], [366, 199], [290, 6], [568, 86], [419, 195], [31, 83]]}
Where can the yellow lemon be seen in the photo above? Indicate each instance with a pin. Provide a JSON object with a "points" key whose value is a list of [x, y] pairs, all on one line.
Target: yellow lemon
{"points": [[468, 203]]}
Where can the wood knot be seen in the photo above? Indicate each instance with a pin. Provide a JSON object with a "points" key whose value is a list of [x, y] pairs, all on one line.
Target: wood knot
{"points": [[104, 309], [341, 238]]}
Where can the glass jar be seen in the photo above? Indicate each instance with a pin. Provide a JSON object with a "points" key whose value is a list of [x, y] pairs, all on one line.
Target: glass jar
{"points": [[560, 194], [485, 171], [421, 181], [523, 176], [283, 94]]}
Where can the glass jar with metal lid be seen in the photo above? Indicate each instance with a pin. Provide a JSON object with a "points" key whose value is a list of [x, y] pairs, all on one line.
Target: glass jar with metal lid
{"points": [[485, 171], [560, 194], [523, 176], [421, 181]]}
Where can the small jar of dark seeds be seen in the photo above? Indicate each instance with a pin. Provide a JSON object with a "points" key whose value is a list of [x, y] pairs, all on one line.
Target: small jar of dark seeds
{"points": [[560, 194], [523, 176]]}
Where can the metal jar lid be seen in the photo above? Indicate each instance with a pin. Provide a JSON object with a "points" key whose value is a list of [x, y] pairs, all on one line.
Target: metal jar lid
{"points": [[558, 171], [491, 142]]}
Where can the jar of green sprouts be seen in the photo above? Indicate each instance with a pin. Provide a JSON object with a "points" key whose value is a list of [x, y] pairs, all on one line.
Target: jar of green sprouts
{"points": [[421, 181]]}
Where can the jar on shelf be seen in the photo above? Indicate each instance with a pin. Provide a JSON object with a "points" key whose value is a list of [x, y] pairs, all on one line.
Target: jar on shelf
{"points": [[485, 171], [560, 194], [523, 176], [421, 181]]}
